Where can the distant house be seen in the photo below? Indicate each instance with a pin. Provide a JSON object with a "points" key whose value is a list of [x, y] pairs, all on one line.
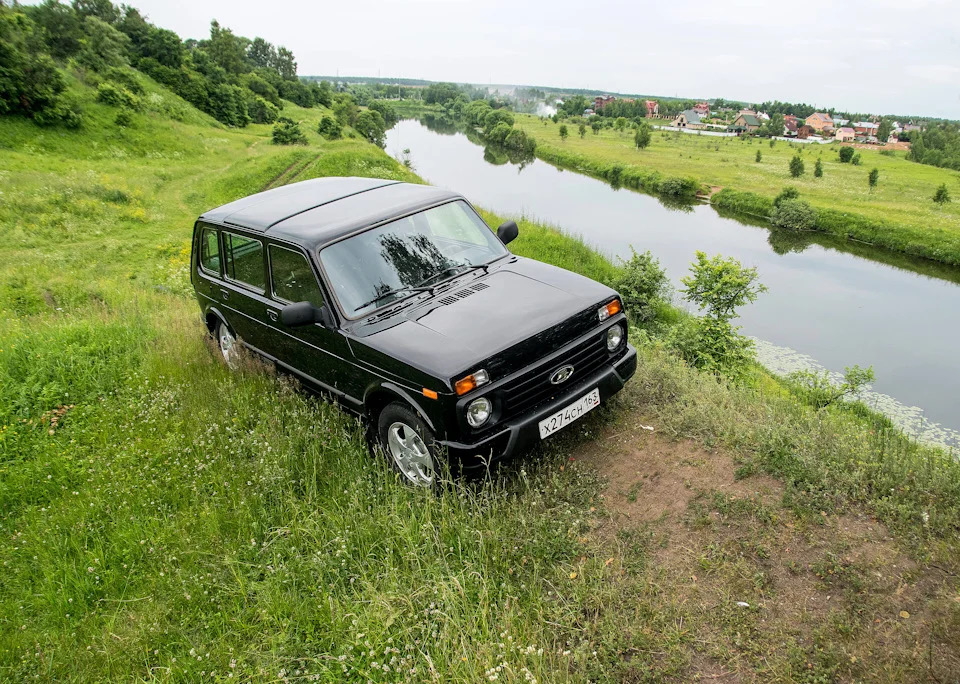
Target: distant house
{"points": [[841, 123], [819, 121], [589, 112], [866, 128], [746, 122], [653, 108], [790, 126], [702, 108], [688, 119], [845, 134], [911, 127], [805, 131], [602, 101], [746, 111], [763, 116]]}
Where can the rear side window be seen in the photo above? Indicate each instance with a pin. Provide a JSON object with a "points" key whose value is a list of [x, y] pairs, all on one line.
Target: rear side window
{"points": [[209, 251], [292, 278], [244, 260]]}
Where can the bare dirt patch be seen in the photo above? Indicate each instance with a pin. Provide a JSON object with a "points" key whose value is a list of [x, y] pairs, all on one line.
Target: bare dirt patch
{"points": [[769, 589]]}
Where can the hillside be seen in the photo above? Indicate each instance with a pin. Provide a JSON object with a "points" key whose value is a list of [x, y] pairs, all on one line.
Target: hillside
{"points": [[164, 518]]}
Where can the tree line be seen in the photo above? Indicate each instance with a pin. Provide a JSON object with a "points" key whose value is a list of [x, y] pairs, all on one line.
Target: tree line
{"points": [[234, 79], [937, 145]]}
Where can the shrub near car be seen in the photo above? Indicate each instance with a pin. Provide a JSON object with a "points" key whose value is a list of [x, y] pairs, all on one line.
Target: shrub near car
{"points": [[399, 302]]}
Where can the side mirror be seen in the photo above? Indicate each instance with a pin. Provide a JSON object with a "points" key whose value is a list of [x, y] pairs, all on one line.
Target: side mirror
{"points": [[508, 232], [303, 313]]}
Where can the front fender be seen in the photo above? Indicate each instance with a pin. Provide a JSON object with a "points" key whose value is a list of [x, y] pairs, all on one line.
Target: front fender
{"points": [[403, 394]]}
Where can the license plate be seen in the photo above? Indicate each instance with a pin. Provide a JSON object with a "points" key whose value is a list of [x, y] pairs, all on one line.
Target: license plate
{"points": [[567, 415]]}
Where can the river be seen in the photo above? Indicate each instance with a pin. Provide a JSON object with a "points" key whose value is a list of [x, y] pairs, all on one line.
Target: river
{"points": [[829, 304]]}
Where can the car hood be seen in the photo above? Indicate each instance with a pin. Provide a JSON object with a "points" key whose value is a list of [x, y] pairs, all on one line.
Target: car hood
{"points": [[477, 319]]}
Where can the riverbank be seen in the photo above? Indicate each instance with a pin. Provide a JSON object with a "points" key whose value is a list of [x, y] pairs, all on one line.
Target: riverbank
{"points": [[162, 517], [899, 214]]}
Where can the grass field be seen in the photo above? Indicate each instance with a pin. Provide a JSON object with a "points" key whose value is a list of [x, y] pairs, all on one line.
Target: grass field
{"points": [[899, 213], [164, 519]]}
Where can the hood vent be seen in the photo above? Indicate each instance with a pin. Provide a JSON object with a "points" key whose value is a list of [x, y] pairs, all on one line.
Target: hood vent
{"points": [[462, 294]]}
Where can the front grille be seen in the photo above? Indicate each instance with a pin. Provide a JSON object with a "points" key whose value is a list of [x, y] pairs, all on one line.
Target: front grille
{"points": [[534, 387]]}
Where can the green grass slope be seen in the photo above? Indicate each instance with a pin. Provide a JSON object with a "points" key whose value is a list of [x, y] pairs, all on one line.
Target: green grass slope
{"points": [[164, 519]]}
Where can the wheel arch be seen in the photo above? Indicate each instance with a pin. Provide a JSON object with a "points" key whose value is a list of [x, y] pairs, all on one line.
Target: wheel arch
{"points": [[379, 396], [212, 317]]}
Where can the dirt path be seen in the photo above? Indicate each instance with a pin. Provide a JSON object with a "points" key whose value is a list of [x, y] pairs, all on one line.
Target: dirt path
{"points": [[765, 588]]}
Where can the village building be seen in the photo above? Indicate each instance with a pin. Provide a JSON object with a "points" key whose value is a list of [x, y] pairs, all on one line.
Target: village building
{"points": [[746, 122], [602, 101], [819, 121], [845, 134], [689, 119], [790, 127], [653, 108], [702, 108], [866, 128], [805, 131]]}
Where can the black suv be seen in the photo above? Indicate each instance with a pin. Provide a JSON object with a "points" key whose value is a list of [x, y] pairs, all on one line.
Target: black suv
{"points": [[398, 301]]}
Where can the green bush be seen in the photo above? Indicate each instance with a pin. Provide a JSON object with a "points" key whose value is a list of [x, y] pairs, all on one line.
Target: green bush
{"points": [[643, 285], [329, 128], [846, 154], [123, 118], [677, 187], [287, 132], [126, 78], [744, 202], [116, 95], [262, 111], [794, 214]]}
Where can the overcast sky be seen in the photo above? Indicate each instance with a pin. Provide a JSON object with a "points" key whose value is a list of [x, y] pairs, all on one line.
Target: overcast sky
{"points": [[879, 56]]}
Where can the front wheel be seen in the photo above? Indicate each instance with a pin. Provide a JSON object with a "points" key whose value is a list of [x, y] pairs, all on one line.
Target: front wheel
{"points": [[408, 442]]}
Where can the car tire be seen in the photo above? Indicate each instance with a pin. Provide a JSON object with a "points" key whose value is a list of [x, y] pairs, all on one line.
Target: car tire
{"points": [[227, 343], [408, 443]]}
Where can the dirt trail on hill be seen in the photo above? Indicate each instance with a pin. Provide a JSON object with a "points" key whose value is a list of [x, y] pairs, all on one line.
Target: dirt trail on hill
{"points": [[765, 589]]}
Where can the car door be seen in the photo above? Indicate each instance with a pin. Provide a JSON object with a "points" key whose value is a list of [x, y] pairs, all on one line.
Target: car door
{"points": [[317, 351], [243, 293]]}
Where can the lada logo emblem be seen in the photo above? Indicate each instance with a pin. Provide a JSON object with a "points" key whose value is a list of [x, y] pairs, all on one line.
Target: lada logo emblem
{"points": [[561, 375]]}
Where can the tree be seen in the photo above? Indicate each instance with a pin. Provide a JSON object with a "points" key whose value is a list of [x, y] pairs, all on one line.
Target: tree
{"points": [[59, 26], [873, 178], [262, 54], [287, 132], [942, 195], [620, 124], [718, 287], [818, 169], [846, 154], [794, 214], [856, 159], [642, 137], [440, 93], [595, 126], [643, 285], [102, 46], [796, 166], [563, 132], [821, 391], [494, 117], [759, 157], [582, 129], [370, 125], [329, 128], [286, 65], [345, 109], [883, 130], [227, 50]]}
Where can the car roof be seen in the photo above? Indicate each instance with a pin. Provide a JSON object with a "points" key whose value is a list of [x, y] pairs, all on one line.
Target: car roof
{"points": [[315, 212]]}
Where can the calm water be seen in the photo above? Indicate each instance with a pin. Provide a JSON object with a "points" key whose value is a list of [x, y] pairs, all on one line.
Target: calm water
{"points": [[825, 307]]}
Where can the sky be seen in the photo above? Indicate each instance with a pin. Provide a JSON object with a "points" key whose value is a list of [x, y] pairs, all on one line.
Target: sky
{"points": [[876, 56]]}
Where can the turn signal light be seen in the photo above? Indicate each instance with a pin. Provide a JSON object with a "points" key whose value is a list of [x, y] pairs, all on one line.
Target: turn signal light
{"points": [[429, 393], [610, 309], [472, 381]]}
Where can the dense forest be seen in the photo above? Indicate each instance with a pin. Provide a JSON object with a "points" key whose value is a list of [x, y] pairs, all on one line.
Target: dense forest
{"points": [[234, 79]]}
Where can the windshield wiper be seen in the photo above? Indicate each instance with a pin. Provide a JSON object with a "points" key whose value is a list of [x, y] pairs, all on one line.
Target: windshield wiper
{"points": [[394, 291]]}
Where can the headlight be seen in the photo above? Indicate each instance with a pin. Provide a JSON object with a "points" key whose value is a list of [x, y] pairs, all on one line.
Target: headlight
{"points": [[614, 337], [478, 412]]}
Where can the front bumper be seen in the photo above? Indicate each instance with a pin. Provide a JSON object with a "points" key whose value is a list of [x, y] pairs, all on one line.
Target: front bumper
{"points": [[523, 430]]}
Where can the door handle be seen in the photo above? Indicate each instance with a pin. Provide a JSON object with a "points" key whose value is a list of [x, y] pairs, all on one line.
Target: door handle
{"points": [[225, 293], [272, 314]]}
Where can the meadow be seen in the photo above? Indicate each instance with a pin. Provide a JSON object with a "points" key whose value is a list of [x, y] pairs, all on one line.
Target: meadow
{"points": [[164, 519], [898, 213]]}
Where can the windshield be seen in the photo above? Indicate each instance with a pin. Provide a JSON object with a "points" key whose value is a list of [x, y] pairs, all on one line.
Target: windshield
{"points": [[384, 264]]}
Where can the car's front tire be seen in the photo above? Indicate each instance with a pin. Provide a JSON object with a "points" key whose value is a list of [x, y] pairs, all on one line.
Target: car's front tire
{"points": [[409, 444]]}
